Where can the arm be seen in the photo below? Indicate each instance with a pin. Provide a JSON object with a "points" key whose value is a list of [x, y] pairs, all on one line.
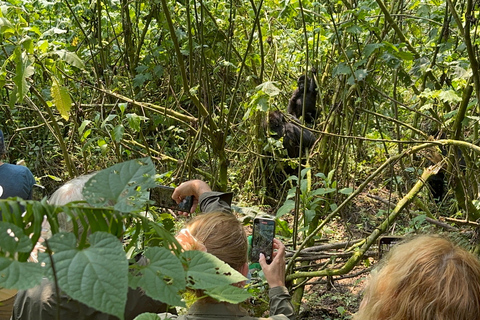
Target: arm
{"points": [[209, 200], [280, 300]]}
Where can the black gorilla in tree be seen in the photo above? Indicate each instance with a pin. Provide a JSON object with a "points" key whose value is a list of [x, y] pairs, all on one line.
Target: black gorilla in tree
{"points": [[291, 132], [296, 101]]}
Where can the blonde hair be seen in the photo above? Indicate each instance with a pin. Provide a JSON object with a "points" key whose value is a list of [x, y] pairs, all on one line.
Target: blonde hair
{"points": [[427, 278], [223, 236]]}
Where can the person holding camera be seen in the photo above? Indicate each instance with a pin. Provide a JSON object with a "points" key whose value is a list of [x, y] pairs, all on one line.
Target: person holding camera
{"points": [[218, 232]]}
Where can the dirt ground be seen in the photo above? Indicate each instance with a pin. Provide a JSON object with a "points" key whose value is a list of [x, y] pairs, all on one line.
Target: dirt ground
{"points": [[337, 300]]}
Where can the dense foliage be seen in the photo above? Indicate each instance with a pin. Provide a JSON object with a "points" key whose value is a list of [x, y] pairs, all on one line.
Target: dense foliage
{"points": [[85, 85]]}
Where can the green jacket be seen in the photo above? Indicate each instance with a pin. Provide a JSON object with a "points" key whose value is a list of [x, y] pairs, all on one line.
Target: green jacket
{"points": [[281, 308]]}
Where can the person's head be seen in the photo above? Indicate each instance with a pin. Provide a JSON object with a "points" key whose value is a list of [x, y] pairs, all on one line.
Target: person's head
{"points": [[426, 278], [69, 192], [223, 236], [3, 149]]}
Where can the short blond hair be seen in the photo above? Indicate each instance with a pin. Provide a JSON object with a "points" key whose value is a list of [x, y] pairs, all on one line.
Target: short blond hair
{"points": [[223, 236], [426, 278]]}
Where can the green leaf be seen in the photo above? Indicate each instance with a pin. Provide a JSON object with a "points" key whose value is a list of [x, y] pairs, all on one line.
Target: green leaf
{"points": [[346, 191], [69, 57], [19, 275], [12, 239], [287, 206], [449, 96], [361, 74], [262, 103], [96, 276], [309, 215], [205, 271], [163, 278], [341, 68], [322, 191], [148, 316], [61, 98], [405, 55], [82, 127], [134, 121], [124, 185], [371, 48], [228, 293], [6, 28], [24, 70], [269, 88], [117, 133]]}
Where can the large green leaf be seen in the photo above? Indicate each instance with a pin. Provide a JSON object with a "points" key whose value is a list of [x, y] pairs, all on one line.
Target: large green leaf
{"points": [[6, 28], [24, 70], [124, 185], [96, 276], [12, 239], [163, 278], [228, 293], [287, 206], [61, 98], [148, 316], [19, 275], [70, 58], [205, 271]]}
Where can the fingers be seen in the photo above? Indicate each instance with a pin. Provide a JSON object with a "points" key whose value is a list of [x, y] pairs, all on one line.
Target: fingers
{"points": [[262, 261], [180, 192], [278, 249], [275, 271], [194, 205], [193, 188]]}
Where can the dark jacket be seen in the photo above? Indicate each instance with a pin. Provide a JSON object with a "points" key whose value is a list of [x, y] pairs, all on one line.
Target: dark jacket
{"points": [[280, 309]]}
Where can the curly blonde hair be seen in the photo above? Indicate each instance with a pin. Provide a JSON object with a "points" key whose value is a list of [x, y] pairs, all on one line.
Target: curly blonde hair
{"points": [[426, 278], [223, 236]]}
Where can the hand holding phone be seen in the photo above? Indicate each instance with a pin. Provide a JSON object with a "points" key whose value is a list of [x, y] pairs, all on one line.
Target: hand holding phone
{"points": [[191, 187], [275, 271], [162, 196], [262, 239]]}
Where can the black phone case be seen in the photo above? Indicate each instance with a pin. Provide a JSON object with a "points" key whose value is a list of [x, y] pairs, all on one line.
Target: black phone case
{"points": [[162, 196], [262, 243]]}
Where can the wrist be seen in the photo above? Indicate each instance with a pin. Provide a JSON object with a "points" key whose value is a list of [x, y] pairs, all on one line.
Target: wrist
{"points": [[201, 187], [273, 284]]}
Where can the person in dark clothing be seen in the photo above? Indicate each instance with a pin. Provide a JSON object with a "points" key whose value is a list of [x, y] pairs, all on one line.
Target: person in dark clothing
{"points": [[15, 181]]}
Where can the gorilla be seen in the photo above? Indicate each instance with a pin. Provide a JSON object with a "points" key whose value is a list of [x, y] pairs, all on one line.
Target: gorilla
{"points": [[290, 130], [295, 104]]}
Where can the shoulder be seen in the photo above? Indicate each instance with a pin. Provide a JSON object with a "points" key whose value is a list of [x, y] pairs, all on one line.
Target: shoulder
{"points": [[15, 168]]}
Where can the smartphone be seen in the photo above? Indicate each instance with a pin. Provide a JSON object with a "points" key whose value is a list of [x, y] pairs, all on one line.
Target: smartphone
{"points": [[385, 243], [162, 196], [262, 239]]}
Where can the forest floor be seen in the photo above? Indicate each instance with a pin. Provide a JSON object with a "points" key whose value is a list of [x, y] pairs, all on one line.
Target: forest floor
{"points": [[339, 298], [335, 301]]}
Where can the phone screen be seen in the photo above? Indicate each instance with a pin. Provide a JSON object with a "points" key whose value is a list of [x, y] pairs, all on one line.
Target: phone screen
{"points": [[262, 239], [162, 196]]}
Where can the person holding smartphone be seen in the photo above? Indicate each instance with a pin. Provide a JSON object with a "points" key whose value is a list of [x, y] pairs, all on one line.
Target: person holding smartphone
{"points": [[221, 234]]}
